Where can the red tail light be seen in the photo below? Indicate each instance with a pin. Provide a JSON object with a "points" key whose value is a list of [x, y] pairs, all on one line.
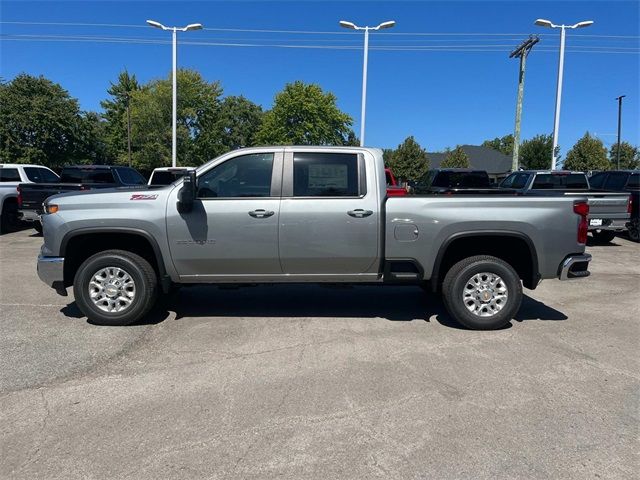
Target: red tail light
{"points": [[19, 197], [582, 209], [629, 205]]}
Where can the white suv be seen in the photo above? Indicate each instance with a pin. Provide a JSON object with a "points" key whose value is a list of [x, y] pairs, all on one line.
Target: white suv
{"points": [[12, 175]]}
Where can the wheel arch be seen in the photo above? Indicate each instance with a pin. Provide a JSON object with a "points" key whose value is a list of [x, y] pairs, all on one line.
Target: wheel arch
{"points": [[467, 244], [78, 245]]}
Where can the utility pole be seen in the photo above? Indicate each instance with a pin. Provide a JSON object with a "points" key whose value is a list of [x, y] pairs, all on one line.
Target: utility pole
{"points": [[619, 128], [520, 52]]}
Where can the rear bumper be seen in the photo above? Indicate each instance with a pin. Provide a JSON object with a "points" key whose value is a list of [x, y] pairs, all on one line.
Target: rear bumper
{"points": [[574, 266], [616, 224], [29, 215], [51, 272]]}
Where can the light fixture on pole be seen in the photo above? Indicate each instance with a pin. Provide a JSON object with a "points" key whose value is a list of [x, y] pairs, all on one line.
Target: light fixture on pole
{"points": [[174, 111], [556, 121], [353, 26]]}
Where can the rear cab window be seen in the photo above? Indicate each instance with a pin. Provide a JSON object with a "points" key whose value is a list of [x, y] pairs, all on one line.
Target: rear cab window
{"points": [[327, 175], [597, 180], [87, 175], [616, 181], [569, 181]]}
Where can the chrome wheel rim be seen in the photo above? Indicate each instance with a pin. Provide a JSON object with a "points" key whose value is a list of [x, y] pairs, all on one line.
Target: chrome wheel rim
{"points": [[485, 294], [112, 289]]}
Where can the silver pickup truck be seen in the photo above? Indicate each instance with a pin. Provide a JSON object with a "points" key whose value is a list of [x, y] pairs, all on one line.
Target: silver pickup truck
{"points": [[306, 214]]}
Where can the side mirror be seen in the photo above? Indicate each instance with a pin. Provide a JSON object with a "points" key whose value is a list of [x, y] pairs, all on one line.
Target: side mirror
{"points": [[187, 194]]}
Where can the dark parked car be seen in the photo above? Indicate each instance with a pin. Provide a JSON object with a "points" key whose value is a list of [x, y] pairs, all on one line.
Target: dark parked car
{"points": [[31, 196], [608, 212], [622, 181]]}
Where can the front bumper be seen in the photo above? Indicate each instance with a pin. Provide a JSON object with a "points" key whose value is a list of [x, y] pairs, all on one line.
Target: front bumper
{"points": [[51, 272], [574, 266]]}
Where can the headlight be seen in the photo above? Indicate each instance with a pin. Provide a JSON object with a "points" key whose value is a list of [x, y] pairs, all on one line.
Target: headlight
{"points": [[50, 208]]}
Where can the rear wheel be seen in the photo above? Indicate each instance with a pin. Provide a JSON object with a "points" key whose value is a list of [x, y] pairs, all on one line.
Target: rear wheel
{"points": [[634, 230], [115, 287], [482, 292], [9, 216], [603, 236]]}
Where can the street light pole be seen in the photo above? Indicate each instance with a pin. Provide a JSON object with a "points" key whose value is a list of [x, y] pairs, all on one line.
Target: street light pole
{"points": [[619, 129], [556, 119], [363, 108], [174, 75]]}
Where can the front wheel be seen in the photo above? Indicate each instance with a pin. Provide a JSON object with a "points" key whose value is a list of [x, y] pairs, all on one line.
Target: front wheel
{"points": [[115, 287], [603, 236], [482, 292]]}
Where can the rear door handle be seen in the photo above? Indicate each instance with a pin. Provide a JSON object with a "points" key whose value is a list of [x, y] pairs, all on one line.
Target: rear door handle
{"points": [[261, 213], [359, 213]]}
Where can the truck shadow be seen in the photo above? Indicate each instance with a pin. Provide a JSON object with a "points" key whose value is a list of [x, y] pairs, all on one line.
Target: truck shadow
{"points": [[402, 304]]}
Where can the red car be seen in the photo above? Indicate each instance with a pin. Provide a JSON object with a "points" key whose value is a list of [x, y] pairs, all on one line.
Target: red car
{"points": [[393, 189]]}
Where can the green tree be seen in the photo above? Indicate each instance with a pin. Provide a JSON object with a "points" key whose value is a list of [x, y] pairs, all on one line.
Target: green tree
{"points": [[535, 153], [39, 122], [588, 153], [456, 158], [239, 120], [629, 156], [303, 114], [93, 147], [501, 144], [387, 156], [197, 115], [115, 114], [409, 161]]}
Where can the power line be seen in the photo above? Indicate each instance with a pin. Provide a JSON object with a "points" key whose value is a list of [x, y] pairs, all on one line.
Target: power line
{"points": [[398, 48], [310, 32]]}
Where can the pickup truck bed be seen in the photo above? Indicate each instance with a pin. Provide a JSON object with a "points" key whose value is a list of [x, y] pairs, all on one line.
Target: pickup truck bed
{"points": [[307, 214]]}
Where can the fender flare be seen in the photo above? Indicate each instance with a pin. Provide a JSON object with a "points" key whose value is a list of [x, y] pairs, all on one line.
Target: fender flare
{"points": [[535, 274]]}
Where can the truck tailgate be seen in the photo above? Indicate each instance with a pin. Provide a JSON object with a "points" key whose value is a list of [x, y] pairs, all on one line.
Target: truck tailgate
{"points": [[34, 194], [605, 204]]}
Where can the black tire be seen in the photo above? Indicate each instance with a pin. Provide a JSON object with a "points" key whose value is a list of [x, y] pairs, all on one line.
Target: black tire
{"points": [[634, 230], [459, 276], [144, 278], [603, 236], [37, 226], [9, 216]]}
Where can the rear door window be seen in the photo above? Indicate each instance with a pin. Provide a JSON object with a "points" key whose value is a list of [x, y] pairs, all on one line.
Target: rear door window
{"points": [[40, 175], [325, 175], [9, 175]]}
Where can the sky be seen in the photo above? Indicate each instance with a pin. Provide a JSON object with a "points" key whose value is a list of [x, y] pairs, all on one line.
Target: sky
{"points": [[442, 74]]}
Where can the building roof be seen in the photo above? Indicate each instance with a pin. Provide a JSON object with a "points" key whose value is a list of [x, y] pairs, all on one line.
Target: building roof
{"points": [[480, 158]]}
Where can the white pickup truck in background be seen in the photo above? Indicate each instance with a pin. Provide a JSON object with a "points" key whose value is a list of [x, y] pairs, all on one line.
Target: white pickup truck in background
{"points": [[12, 175]]}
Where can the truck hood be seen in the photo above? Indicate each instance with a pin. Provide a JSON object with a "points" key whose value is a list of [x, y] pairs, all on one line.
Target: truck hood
{"points": [[120, 197]]}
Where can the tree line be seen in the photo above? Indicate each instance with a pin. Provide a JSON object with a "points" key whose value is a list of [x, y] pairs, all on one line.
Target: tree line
{"points": [[41, 123]]}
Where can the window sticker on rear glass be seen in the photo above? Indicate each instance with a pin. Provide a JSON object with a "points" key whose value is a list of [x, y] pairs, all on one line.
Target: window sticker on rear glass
{"points": [[328, 176]]}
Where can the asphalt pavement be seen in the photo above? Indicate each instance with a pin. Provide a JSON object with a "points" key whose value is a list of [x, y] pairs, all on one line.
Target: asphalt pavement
{"points": [[309, 382]]}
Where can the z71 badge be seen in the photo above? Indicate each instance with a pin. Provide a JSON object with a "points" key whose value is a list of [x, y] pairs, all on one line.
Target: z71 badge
{"points": [[142, 196]]}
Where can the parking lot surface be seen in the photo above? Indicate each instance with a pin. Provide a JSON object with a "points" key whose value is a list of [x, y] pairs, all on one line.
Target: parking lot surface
{"points": [[313, 382]]}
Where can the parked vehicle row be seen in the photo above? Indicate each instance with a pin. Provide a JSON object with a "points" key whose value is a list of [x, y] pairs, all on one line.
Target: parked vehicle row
{"points": [[11, 176], [307, 215]]}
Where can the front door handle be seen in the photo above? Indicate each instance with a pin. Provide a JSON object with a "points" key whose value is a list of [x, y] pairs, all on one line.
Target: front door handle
{"points": [[261, 213], [359, 213]]}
